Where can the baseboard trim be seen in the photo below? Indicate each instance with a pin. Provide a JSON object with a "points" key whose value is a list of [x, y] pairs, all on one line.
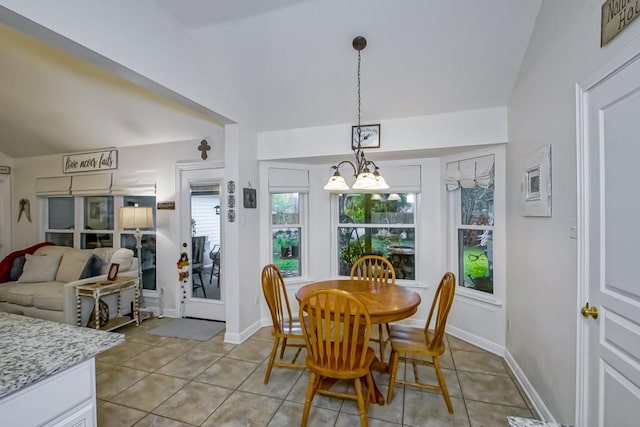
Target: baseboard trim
{"points": [[535, 399], [173, 313], [242, 336], [476, 340]]}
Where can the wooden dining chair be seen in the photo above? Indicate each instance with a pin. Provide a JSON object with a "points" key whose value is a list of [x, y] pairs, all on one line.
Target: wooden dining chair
{"points": [[215, 266], [197, 261], [285, 326], [378, 269], [337, 332], [415, 342]]}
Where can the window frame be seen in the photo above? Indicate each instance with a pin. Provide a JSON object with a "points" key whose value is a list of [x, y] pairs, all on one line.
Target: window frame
{"points": [[79, 229], [303, 221], [336, 225], [453, 223]]}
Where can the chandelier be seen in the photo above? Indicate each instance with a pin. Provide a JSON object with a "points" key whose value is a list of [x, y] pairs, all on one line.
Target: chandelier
{"points": [[366, 179]]}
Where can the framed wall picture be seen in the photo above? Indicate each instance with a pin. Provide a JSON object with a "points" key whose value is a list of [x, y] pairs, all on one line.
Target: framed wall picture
{"points": [[113, 271], [536, 192], [369, 136], [249, 197]]}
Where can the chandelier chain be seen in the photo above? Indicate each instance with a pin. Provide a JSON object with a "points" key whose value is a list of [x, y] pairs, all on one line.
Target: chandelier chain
{"points": [[359, 97], [366, 179]]}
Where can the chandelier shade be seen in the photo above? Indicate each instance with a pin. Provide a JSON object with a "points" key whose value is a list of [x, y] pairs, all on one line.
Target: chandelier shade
{"points": [[365, 180]]}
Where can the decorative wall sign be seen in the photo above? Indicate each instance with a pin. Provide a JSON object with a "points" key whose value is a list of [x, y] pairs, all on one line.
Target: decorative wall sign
{"points": [[231, 215], [369, 136], [616, 16], [231, 201], [249, 197], [5, 170], [170, 206], [231, 187], [87, 162], [537, 183]]}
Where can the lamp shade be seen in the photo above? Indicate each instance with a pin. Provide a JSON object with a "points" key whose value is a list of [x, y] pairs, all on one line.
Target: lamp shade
{"points": [[136, 217], [336, 183]]}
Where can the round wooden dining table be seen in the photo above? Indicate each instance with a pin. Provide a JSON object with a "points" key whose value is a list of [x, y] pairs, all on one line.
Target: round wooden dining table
{"points": [[385, 303]]}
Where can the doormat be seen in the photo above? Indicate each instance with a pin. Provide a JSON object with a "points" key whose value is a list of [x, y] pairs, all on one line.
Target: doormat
{"points": [[189, 329]]}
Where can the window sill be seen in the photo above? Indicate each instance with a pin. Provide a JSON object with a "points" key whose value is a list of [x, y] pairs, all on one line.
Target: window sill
{"points": [[296, 281], [478, 297]]}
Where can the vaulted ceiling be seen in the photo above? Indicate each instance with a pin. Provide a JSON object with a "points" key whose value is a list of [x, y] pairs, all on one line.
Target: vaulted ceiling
{"points": [[291, 61]]}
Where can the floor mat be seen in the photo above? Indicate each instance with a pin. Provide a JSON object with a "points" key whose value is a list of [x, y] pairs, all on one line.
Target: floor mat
{"points": [[189, 329]]}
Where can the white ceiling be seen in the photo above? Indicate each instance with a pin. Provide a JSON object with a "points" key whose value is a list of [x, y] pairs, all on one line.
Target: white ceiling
{"points": [[293, 60]]}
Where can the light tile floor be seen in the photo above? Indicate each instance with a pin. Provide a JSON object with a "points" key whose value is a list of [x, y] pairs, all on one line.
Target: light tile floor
{"points": [[170, 382]]}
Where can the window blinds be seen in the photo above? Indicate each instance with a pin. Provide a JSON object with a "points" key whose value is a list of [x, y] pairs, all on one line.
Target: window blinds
{"points": [[469, 173], [140, 183], [54, 186], [284, 180], [92, 184]]}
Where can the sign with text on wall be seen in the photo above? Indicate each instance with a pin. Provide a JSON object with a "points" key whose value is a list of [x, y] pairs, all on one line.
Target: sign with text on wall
{"points": [[616, 16], [88, 162]]}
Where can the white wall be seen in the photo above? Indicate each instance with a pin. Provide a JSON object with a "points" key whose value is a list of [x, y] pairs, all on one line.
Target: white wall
{"points": [[483, 322], [459, 129], [541, 258], [160, 158], [148, 41]]}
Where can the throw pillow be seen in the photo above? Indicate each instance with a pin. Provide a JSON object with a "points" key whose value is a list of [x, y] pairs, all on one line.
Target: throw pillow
{"points": [[40, 268], [92, 268], [16, 268], [72, 264]]}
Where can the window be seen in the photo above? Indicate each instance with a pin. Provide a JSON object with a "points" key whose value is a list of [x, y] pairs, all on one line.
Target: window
{"points": [[148, 242], [471, 184], [475, 239], [99, 227], [380, 224], [287, 232], [98, 216], [60, 221]]}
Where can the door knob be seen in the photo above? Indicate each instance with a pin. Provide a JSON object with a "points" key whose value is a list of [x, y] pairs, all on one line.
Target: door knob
{"points": [[589, 311]]}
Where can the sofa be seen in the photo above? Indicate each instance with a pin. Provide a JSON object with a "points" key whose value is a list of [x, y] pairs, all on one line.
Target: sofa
{"points": [[44, 285]]}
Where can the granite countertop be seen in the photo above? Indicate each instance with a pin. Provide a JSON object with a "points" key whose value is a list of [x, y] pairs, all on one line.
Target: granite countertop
{"points": [[33, 349], [526, 422]]}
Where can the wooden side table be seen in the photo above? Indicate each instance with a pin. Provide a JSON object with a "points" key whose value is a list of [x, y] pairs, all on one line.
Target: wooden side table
{"points": [[100, 289]]}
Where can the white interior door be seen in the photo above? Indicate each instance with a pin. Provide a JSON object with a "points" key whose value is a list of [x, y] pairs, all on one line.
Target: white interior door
{"points": [[5, 216], [611, 209], [201, 207]]}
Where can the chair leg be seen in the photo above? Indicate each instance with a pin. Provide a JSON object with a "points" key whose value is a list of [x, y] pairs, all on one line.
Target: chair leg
{"points": [[314, 380], [393, 369], [276, 343], [362, 407], [284, 345], [370, 389], [202, 283], [443, 385]]}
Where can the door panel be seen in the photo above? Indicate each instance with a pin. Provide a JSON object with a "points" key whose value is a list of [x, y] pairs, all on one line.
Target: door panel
{"points": [[208, 301], [612, 152]]}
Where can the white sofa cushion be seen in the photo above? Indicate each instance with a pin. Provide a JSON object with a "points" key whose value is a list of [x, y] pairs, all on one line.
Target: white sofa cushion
{"points": [[72, 264], [121, 256], [40, 268], [46, 295]]}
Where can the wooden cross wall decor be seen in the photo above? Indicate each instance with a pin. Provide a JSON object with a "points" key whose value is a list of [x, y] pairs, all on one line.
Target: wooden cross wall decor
{"points": [[203, 148]]}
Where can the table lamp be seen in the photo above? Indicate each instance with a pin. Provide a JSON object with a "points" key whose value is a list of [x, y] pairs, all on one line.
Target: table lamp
{"points": [[138, 217]]}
